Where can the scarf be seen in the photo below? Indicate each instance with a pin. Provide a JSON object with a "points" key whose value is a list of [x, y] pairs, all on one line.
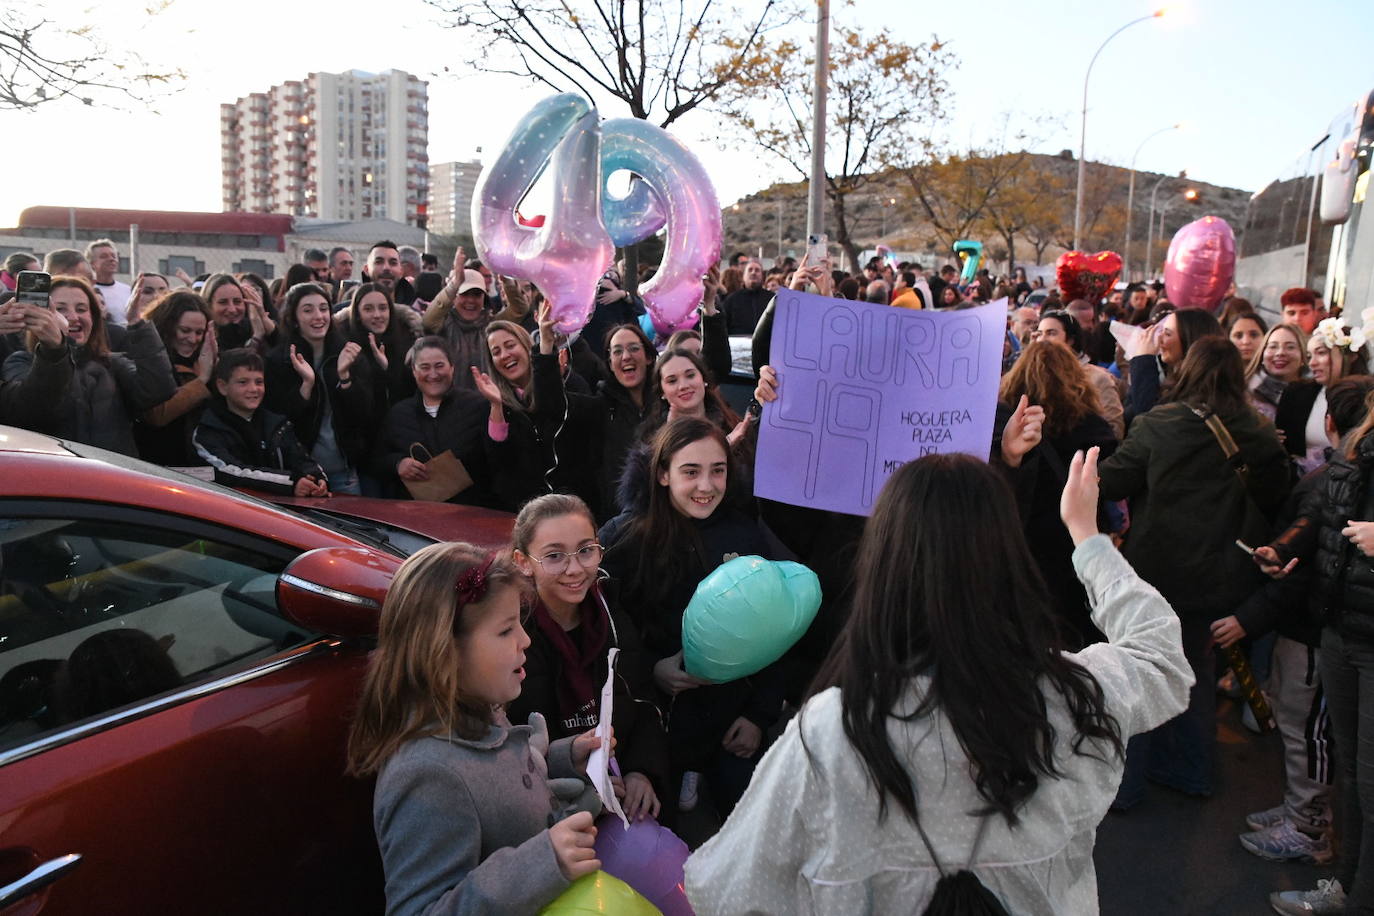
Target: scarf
{"points": [[577, 687]]}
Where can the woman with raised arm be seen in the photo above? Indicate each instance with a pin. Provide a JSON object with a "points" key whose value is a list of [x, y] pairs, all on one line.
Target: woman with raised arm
{"points": [[949, 729], [183, 322]]}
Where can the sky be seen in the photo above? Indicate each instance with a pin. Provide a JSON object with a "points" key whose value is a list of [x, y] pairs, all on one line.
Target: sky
{"points": [[1254, 83]]}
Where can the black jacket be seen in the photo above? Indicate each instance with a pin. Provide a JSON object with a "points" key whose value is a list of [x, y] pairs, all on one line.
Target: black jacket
{"points": [[26, 401], [621, 419], [460, 427], [261, 454], [1188, 506], [556, 447], [1294, 408], [744, 307], [1344, 575], [105, 396], [641, 743], [307, 416], [1291, 605], [1038, 484]]}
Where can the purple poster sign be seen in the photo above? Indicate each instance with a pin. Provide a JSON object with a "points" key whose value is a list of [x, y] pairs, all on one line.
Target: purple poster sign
{"points": [[864, 388]]}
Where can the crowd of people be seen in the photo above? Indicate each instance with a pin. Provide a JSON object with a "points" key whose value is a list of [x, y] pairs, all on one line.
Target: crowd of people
{"points": [[972, 693]]}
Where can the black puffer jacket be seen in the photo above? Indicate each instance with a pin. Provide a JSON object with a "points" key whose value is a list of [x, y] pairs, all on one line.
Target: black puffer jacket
{"points": [[460, 427], [622, 419], [105, 395], [554, 448], [1344, 576]]}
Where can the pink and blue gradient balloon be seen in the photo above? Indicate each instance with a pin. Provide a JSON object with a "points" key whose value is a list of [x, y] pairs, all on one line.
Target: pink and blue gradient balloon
{"points": [[1200, 264], [565, 257], [673, 193]]}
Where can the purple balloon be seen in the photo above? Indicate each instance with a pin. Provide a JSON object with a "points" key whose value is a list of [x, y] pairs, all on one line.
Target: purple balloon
{"points": [[674, 191], [565, 257], [648, 857], [1200, 264]]}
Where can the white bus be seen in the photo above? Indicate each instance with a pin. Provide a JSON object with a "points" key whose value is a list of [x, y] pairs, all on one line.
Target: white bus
{"points": [[1304, 229]]}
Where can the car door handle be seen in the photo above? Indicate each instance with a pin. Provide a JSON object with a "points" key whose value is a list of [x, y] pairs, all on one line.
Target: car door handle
{"points": [[38, 879]]}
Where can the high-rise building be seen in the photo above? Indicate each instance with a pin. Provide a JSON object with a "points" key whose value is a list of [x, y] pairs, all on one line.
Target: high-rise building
{"points": [[450, 200], [341, 146]]}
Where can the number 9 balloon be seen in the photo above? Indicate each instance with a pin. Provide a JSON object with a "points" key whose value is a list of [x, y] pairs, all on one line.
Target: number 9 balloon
{"points": [[565, 257], [675, 191]]}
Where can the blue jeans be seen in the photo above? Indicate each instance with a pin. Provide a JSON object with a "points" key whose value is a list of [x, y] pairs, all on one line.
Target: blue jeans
{"points": [[1178, 754], [1347, 672]]}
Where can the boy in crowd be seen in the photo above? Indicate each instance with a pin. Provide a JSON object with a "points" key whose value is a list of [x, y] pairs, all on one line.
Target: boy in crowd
{"points": [[248, 446]]}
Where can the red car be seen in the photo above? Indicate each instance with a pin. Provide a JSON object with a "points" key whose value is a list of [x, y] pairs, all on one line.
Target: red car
{"points": [[178, 665]]}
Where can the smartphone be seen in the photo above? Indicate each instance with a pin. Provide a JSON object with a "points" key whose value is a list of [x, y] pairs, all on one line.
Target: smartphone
{"points": [[817, 249], [32, 288]]}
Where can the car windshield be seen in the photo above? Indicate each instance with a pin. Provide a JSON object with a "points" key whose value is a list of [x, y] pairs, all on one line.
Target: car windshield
{"points": [[395, 541]]}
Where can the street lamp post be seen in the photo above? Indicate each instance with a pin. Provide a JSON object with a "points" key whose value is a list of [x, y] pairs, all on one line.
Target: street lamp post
{"points": [[1150, 225], [1130, 200], [1083, 128], [1189, 195]]}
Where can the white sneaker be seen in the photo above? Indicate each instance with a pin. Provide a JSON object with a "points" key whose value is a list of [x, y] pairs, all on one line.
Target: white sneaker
{"points": [[1284, 842], [1329, 898], [688, 796], [1263, 820]]}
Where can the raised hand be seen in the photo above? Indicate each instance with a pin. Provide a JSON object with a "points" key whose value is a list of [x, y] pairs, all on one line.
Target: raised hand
{"points": [[486, 387], [302, 366], [206, 358], [710, 293], [134, 310], [347, 357], [1078, 502], [1022, 432], [184, 277], [573, 839], [379, 349]]}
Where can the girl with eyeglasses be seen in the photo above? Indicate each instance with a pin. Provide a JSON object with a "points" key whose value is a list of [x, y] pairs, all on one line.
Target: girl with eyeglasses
{"points": [[573, 619]]}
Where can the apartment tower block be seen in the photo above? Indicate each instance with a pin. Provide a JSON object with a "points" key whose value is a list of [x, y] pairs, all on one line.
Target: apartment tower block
{"points": [[346, 146]]}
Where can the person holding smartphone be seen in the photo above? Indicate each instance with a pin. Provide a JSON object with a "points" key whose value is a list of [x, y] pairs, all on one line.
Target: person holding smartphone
{"points": [[25, 400]]}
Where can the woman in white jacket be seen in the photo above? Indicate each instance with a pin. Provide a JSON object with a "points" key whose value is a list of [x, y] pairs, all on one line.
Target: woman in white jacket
{"points": [[948, 729]]}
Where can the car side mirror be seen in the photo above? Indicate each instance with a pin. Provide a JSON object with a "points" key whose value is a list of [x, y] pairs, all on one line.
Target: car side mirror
{"points": [[337, 591]]}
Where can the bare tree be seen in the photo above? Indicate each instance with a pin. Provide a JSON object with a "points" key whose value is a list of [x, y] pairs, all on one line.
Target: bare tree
{"points": [[42, 61], [882, 94], [662, 60]]}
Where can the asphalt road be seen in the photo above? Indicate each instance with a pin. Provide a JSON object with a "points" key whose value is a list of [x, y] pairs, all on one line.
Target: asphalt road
{"points": [[1174, 854]]}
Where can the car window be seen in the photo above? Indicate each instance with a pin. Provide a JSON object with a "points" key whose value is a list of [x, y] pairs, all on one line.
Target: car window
{"points": [[96, 615]]}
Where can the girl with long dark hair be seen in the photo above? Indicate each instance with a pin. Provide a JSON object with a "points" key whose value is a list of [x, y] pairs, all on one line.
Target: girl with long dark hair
{"points": [[625, 400], [304, 385], [1162, 351], [1188, 507], [183, 322], [948, 726], [686, 525]]}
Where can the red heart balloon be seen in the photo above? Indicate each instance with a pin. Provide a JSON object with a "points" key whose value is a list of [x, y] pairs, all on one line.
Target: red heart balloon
{"points": [[1086, 276]]}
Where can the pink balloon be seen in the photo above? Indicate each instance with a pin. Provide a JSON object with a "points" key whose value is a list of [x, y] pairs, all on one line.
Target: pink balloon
{"points": [[565, 256], [1201, 264], [648, 857], [675, 193]]}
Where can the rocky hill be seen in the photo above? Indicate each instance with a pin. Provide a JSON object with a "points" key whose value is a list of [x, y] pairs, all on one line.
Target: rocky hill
{"points": [[774, 219]]}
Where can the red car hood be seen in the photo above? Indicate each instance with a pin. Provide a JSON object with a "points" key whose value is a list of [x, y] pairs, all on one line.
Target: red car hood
{"points": [[441, 521]]}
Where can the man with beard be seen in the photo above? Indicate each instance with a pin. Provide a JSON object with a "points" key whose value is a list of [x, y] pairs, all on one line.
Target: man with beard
{"points": [[384, 268]]}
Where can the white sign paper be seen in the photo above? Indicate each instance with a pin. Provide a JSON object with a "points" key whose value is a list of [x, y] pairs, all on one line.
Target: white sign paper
{"points": [[599, 763]]}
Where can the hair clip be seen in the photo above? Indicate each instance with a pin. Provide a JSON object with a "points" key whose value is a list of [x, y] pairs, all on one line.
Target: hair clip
{"points": [[472, 584]]}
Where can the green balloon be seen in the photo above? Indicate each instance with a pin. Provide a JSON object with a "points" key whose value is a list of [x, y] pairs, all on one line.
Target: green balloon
{"points": [[745, 615], [600, 893]]}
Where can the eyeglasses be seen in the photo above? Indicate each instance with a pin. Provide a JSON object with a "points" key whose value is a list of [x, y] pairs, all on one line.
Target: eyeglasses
{"points": [[558, 562], [632, 349]]}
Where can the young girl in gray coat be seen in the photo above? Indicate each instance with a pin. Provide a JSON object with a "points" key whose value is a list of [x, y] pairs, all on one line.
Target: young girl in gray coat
{"points": [[472, 814]]}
